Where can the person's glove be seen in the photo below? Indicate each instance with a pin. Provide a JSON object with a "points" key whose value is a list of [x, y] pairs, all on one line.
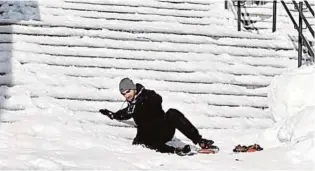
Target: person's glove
{"points": [[108, 113]]}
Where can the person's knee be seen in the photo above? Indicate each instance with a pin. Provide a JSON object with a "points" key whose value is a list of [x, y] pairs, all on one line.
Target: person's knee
{"points": [[172, 110], [173, 113]]}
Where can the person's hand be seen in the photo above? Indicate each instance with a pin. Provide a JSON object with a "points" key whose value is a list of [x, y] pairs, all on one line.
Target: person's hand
{"points": [[108, 113]]}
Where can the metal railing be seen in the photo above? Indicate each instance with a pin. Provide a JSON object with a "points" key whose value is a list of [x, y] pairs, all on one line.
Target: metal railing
{"points": [[301, 38]]}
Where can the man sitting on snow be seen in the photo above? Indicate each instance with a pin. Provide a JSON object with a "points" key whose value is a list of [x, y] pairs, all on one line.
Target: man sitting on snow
{"points": [[154, 126]]}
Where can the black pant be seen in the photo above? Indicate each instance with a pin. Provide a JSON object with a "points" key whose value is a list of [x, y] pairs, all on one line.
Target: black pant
{"points": [[176, 120]]}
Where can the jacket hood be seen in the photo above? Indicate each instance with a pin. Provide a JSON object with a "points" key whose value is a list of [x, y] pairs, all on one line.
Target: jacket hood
{"points": [[139, 88]]}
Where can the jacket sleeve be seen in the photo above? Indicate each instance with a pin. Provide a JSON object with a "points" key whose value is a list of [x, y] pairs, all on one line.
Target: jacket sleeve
{"points": [[122, 114]]}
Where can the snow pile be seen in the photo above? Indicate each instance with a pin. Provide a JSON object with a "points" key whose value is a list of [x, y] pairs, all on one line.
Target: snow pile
{"points": [[291, 93], [292, 105]]}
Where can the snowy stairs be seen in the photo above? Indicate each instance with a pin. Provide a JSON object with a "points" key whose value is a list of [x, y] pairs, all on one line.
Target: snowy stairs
{"points": [[259, 17], [186, 50]]}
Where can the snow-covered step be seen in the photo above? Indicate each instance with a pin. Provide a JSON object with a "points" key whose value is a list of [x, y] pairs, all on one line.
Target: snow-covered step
{"points": [[164, 66], [62, 50], [5, 67], [178, 67], [171, 57], [147, 3], [98, 82], [287, 27], [220, 66], [197, 13], [150, 37], [159, 56], [282, 21], [285, 23], [195, 77], [141, 26], [194, 109], [145, 46], [95, 94], [268, 11], [202, 2], [133, 17], [269, 4], [282, 25], [124, 43]]}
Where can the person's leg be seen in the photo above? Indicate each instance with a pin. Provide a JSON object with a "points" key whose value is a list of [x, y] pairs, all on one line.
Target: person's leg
{"points": [[167, 133], [180, 122]]}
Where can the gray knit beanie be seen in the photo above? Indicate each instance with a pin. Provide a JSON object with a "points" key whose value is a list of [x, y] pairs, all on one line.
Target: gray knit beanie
{"points": [[126, 84]]}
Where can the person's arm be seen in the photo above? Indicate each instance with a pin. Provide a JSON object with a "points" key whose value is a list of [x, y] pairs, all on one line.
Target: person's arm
{"points": [[122, 114], [119, 115]]}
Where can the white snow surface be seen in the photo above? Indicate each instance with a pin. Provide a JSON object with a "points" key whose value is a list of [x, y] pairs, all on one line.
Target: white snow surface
{"points": [[49, 103], [292, 92]]}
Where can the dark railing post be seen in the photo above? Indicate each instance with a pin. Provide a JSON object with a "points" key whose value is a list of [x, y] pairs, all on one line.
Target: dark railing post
{"points": [[300, 41], [310, 51], [303, 17], [226, 4], [239, 15], [274, 18]]}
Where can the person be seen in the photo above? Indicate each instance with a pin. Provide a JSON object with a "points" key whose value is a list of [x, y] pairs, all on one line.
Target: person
{"points": [[154, 126]]}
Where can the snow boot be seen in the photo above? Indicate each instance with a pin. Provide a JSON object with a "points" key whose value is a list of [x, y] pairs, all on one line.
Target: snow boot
{"points": [[207, 146]]}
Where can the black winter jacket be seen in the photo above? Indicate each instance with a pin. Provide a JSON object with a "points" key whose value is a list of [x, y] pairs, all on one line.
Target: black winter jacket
{"points": [[146, 110]]}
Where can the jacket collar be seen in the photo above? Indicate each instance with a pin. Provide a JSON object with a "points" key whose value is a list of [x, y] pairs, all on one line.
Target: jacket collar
{"points": [[139, 89]]}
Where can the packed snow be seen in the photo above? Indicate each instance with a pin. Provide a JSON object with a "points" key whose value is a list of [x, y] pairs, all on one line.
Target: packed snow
{"points": [[48, 135]]}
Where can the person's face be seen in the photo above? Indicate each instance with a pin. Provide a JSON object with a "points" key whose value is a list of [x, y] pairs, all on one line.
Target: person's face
{"points": [[129, 95]]}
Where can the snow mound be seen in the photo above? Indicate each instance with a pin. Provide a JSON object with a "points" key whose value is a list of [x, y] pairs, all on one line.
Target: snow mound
{"points": [[292, 105], [292, 92]]}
